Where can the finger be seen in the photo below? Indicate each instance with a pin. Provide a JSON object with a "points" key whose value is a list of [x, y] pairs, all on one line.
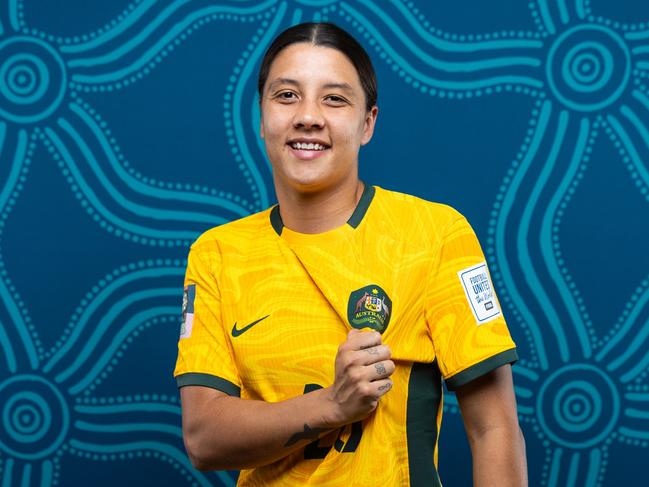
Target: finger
{"points": [[364, 339], [381, 370], [382, 386], [371, 355]]}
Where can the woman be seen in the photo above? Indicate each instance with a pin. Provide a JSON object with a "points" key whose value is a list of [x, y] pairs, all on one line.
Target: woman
{"points": [[317, 333]]}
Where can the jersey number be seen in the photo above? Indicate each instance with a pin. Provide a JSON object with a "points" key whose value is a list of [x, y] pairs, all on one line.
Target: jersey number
{"points": [[314, 451]]}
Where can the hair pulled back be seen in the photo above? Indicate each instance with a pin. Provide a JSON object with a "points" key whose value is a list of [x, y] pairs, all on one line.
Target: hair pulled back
{"points": [[327, 35]]}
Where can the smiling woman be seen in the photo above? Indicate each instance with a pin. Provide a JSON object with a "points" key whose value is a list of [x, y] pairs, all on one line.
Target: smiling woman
{"points": [[317, 333]]}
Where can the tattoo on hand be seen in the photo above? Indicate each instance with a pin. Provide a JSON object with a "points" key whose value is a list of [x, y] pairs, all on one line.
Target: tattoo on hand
{"points": [[385, 387], [308, 434], [380, 369], [372, 351]]}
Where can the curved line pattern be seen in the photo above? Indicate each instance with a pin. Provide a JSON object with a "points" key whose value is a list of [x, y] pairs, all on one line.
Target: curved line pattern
{"points": [[108, 293], [626, 328], [145, 189], [563, 11], [167, 450], [7, 472], [121, 335], [13, 15], [149, 54], [634, 433], [120, 27], [150, 27], [129, 428], [47, 475], [449, 67], [109, 319], [501, 225], [545, 15], [101, 209], [575, 469], [120, 199], [13, 312], [149, 407], [444, 45], [238, 102], [630, 148], [547, 237], [426, 79], [637, 36], [523, 231]]}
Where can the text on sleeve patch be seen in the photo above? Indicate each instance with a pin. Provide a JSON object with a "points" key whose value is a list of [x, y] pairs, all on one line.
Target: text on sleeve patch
{"points": [[480, 292]]}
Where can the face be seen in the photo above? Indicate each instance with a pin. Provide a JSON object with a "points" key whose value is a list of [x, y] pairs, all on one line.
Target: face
{"points": [[314, 118]]}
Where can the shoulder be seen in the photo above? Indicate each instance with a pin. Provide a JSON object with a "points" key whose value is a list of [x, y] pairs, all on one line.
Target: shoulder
{"points": [[414, 218], [235, 236]]}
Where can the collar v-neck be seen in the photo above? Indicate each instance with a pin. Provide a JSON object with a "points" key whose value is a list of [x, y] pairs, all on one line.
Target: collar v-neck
{"points": [[352, 223]]}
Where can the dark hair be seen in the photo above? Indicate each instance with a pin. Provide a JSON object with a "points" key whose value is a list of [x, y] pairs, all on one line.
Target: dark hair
{"points": [[328, 35]]}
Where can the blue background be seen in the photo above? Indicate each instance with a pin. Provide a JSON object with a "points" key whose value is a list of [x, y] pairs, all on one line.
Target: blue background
{"points": [[128, 128]]}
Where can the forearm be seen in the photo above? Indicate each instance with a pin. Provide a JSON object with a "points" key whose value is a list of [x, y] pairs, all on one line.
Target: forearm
{"points": [[499, 458], [233, 433]]}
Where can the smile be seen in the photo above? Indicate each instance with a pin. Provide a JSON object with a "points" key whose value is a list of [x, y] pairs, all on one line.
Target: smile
{"points": [[307, 146]]}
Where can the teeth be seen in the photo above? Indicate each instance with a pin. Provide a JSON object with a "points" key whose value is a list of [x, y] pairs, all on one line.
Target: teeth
{"points": [[309, 146]]}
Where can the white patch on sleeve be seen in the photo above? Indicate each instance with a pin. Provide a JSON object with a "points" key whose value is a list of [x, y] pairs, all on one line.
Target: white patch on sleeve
{"points": [[186, 328], [188, 311], [480, 293]]}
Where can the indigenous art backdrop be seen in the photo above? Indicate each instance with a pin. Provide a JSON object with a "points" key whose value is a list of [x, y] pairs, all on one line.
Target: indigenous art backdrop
{"points": [[127, 128]]}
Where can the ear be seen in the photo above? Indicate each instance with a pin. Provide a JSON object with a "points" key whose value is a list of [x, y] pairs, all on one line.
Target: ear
{"points": [[368, 127]]}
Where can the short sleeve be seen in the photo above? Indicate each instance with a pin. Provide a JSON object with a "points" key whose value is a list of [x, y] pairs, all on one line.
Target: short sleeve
{"points": [[469, 332], [204, 356]]}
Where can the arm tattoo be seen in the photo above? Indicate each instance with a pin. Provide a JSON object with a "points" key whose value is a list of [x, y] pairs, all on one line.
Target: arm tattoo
{"points": [[380, 369], [308, 434], [385, 386]]}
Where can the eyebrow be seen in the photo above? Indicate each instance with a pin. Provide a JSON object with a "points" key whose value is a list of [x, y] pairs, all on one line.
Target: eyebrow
{"points": [[288, 81]]}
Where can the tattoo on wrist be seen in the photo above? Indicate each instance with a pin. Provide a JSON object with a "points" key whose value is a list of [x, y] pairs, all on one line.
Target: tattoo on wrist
{"points": [[308, 434], [380, 369]]}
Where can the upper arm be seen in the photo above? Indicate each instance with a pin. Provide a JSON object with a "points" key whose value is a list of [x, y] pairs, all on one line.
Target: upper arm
{"points": [[197, 404], [488, 402], [467, 327]]}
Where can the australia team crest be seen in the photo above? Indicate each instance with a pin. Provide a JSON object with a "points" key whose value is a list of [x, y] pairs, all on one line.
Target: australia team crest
{"points": [[369, 307]]}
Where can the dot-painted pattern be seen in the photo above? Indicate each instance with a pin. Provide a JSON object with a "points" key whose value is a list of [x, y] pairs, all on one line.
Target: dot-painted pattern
{"points": [[580, 76]]}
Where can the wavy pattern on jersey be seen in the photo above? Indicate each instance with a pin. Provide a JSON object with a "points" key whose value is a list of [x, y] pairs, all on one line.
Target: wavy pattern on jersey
{"points": [[586, 75]]}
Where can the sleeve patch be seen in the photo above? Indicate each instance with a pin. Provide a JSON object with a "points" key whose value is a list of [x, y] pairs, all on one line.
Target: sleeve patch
{"points": [[188, 311], [479, 292]]}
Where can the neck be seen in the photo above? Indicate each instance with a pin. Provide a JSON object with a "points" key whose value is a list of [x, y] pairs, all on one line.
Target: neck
{"points": [[317, 212]]}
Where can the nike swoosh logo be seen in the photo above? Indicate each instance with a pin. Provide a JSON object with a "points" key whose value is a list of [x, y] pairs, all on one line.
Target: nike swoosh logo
{"points": [[240, 331]]}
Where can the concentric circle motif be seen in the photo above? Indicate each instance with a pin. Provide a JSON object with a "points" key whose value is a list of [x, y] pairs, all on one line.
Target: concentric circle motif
{"points": [[578, 406], [32, 79], [588, 67], [34, 417]]}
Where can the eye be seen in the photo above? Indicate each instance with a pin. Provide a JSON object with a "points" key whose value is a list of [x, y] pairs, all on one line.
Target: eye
{"points": [[335, 100], [286, 96]]}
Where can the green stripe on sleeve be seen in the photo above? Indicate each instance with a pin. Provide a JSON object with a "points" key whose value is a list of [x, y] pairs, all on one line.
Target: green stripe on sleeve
{"points": [[424, 397], [481, 368], [207, 380]]}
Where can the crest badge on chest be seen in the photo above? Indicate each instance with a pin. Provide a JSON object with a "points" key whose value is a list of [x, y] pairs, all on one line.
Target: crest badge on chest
{"points": [[369, 307]]}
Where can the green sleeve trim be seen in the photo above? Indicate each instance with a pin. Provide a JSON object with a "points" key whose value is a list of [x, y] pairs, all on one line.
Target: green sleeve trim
{"points": [[481, 368], [207, 380]]}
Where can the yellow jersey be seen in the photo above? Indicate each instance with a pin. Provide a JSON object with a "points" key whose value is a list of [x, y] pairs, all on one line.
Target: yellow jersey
{"points": [[266, 308]]}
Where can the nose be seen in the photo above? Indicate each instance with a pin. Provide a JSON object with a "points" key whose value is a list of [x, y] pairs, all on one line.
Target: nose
{"points": [[308, 115]]}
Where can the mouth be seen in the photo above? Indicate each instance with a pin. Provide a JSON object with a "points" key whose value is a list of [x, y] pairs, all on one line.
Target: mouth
{"points": [[310, 146], [306, 150]]}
